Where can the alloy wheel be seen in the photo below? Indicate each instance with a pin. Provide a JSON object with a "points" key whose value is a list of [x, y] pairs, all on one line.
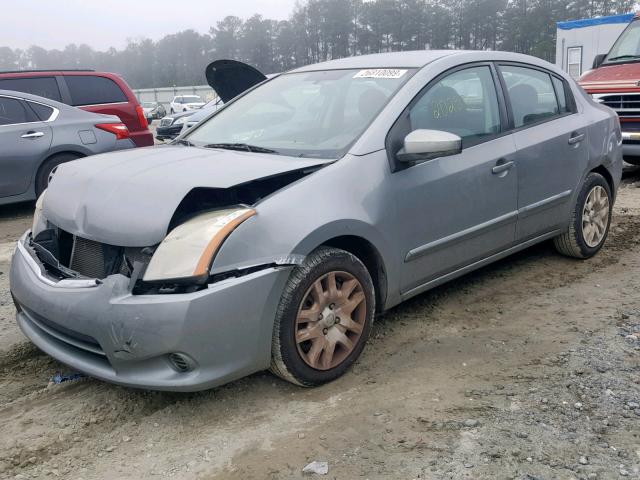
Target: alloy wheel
{"points": [[595, 216], [330, 320]]}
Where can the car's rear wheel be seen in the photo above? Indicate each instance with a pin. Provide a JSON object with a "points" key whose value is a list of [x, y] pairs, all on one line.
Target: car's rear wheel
{"points": [[590, 221], [323, 319], [48, 168]]}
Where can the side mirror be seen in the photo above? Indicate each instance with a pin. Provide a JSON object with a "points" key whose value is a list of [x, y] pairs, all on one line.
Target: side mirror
{"points": [[597, 61], [427, 144]]}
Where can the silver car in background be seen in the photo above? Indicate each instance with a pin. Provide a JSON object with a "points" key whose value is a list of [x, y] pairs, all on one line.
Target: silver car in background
{"points": [[209, 108], [38, 134], [153, 110], [271, 233]]}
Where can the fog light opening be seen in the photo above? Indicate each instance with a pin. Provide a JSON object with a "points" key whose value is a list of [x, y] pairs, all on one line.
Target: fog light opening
{"points": [[181, 362]]}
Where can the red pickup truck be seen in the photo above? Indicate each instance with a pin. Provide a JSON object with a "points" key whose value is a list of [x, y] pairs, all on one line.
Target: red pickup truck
{"points": [[615, 82]]}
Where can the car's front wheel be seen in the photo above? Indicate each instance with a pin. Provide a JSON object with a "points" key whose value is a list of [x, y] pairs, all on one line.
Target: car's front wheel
{"points": [[590, 219], [323, 319]]}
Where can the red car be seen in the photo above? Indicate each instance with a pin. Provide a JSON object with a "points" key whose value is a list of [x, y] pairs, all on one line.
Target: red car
{"points": [[96, 92]]}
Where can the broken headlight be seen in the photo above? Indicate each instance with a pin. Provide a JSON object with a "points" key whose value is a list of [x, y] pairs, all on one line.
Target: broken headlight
{"points": [[39, 222], [188, 250]]}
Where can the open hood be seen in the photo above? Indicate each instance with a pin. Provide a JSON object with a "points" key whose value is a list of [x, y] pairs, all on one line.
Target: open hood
{"points": [[128, 198], [229, 78]]}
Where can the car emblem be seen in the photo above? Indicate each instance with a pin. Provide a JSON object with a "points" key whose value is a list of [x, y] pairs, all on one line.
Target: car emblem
{"points": [[638, 83]]}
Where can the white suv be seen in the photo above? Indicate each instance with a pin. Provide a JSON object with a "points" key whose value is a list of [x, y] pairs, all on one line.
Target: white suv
{"points": [[182, 103]]}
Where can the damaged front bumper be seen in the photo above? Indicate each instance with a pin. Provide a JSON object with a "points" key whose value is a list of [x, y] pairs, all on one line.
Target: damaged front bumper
{"points": [[182, 342]]}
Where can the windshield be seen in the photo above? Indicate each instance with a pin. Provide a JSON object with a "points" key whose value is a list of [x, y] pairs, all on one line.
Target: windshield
{"points": [[309, 114], [191, 100], [627, 47]]}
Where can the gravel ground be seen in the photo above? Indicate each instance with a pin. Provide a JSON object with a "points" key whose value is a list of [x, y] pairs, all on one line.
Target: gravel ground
{"points": [[527, 369]]}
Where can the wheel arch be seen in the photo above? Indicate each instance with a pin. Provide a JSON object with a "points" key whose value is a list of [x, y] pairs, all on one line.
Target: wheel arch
{"points": [[602, 170], [369, 255], [76, 153]]}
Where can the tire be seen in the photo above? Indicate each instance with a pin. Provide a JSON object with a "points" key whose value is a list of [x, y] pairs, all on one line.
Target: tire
{"points": [[172, 112], [578, 241], [293, 359], [47, 168]]}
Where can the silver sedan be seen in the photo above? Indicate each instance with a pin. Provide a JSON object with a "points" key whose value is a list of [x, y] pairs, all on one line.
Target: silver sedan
{"points": [[269, 235], [38, 134]]}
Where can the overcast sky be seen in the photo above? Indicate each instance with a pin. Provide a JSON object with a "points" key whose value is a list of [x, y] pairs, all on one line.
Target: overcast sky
{"points": [[102, 24]]}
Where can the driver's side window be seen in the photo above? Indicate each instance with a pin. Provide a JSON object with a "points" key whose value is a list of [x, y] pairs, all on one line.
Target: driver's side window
{"points": [[464, 102]]}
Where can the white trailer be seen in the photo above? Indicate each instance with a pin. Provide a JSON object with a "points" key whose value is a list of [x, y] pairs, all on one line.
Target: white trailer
{"points": [[579, 41]]}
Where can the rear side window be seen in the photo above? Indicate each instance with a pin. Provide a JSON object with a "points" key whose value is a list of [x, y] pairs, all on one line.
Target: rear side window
{"points": [[13, 111], [42, 111], [531, 94], [42, 86], [91, 90], [561, 92]]}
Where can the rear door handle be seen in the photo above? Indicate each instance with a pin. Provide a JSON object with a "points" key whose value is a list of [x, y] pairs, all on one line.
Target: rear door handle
{"points": [[33, 135], [501, 166], [576, 138]]}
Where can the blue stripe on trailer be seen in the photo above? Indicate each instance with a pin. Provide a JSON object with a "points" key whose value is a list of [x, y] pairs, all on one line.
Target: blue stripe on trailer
{"points": [[590, 22]]}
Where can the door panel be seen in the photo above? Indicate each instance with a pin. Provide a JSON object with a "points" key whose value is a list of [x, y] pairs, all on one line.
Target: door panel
{"points": [[549, 160], [456, 210], [551, 149], [23, 148]]}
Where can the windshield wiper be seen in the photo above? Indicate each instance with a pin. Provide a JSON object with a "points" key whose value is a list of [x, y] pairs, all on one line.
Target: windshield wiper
{"points": [[183, 142], [622, 57], [240, 146]]}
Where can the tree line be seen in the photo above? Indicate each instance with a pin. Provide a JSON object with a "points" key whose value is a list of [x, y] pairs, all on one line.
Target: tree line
{"points": [[319, 30]]}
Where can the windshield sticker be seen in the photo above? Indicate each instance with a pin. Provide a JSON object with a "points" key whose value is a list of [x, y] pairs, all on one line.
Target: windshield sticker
{"points": [[380, 73]]}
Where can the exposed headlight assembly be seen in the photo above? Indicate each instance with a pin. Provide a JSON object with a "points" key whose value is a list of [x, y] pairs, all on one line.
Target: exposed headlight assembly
{"points": [[39, 223], [188, 250]]}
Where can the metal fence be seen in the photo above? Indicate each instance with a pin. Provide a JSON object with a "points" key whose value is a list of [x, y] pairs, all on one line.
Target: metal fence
{"points": [[165, 95]]}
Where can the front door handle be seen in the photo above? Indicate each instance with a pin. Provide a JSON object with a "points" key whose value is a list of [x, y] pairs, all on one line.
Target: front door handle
{"points": [[33, 135], [501, 166], [576, 138]]}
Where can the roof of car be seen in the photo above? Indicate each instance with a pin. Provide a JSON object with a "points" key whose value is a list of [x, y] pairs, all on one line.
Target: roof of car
{"points": [[62, 70], [410, 59], [417, 59]]}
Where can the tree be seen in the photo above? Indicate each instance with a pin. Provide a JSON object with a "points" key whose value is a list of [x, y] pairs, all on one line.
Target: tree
{"points": [[226, 36], [319, 30]]}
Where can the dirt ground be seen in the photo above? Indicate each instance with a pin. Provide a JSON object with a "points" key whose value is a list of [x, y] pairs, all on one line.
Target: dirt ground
{"points": [[526, 369]]}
